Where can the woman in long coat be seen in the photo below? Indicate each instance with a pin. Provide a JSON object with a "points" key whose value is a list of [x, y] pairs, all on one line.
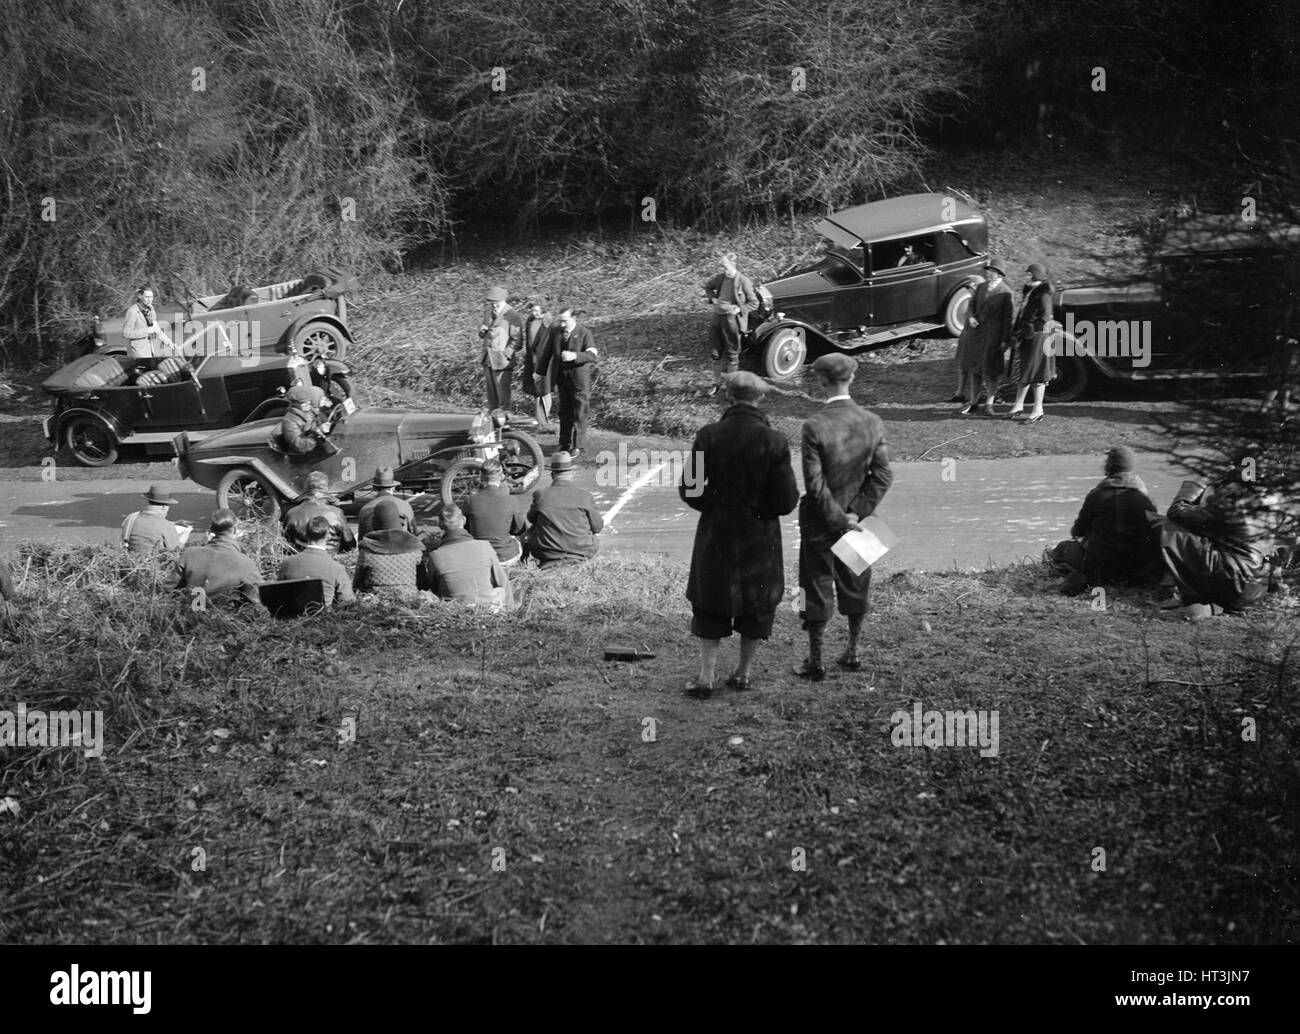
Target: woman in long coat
{"points": [[1037, 359], [740, 480], [985, 337]]}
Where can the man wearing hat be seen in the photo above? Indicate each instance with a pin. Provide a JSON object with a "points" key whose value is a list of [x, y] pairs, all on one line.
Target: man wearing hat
{"points": [[740, 480], [149, 531], [500, 334], [563, 517], [1116, 543], [220, 569], [537, 343], [985, 337], [384, 483], [845, 474], [491, 515], [300, 431], [317, 503]]}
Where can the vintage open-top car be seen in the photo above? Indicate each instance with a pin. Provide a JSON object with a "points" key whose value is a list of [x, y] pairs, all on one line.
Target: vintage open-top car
{"points": [[891, 269], [256, 477], [1211, 307], [105, 402], [307, 316]]}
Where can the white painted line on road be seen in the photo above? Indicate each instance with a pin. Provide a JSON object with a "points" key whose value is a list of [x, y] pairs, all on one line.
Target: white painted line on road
{"points": [[632, 490]]}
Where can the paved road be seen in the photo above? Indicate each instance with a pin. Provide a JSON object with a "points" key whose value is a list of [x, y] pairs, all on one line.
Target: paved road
{"points": [[992, 512]]}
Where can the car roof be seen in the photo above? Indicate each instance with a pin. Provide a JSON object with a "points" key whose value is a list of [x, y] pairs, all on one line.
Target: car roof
{"points": [[1211, 234], [894, 217]]}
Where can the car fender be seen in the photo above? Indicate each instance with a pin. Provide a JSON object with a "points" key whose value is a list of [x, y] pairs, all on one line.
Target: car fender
{"points": [[286, 339], [267, 473], [118, 429], [817, 340], [972, 281], [1101, 366]]}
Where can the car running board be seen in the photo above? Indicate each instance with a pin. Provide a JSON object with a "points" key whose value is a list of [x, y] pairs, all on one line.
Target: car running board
{"points": [[876, 337]]}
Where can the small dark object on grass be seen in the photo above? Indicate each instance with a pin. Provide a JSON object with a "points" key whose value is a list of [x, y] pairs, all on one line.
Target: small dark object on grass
{"points": [[620, 652]]}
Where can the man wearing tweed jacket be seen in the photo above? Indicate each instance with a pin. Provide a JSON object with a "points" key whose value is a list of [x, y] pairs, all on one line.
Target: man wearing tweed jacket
{"points": [[846, 474]]}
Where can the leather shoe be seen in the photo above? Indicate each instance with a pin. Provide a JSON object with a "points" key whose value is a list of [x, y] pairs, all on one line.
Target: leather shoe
{"points": [[699, 690], [849, 661], [811, 672], [736, 682]]}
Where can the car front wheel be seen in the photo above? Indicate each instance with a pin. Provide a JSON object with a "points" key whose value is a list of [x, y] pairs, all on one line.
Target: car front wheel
{"points": [[463, 477], [957, 309], [522, 458], [784, 353], [90, 441], [1071, 380], [242, 491], [320, 341]]}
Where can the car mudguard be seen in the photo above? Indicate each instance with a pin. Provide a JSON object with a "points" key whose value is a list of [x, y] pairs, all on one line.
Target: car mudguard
{"points": [[115, 426], [253, 463], [313, 317], [818, 341]]}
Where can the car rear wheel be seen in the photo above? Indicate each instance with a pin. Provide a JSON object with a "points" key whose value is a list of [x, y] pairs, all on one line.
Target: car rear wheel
{"points": [[784, 353], [320, 341], [957, 309], [460, 479], [522, 459], [242, 491], [1071, 380], [90, 441]]}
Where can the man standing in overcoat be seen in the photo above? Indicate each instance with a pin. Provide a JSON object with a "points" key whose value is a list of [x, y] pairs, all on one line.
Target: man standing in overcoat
{"points": [[536, 342], [571, 358], [845, 474], [740, 480]]}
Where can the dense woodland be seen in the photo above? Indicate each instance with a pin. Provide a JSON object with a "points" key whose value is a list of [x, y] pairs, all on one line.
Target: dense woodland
{"points": [[233, 141]]}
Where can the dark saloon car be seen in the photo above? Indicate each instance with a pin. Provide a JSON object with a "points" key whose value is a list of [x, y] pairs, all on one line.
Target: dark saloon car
{"points": [[103, 402], [891, 269], [255, 476], [1211, 306]]}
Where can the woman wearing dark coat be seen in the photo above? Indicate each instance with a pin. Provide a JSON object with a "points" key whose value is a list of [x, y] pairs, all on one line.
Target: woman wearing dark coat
{"points": [[1116, 542], [985, 337], [1037, 359], [388, 560], [740, 480]]}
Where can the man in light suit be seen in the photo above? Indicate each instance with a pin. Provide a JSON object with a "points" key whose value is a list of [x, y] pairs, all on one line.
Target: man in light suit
{"points": [[147, 337], [500, 336], [571, 358], [846, 474]]}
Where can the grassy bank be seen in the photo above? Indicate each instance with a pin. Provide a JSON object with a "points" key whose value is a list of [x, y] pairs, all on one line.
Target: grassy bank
{"points": [[504, 783]]}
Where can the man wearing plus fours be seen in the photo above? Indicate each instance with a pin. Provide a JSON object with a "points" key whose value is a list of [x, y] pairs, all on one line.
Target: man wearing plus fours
{"points": [[846, 474]]}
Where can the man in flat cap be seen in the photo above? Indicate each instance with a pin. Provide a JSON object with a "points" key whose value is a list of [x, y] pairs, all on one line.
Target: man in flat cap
{"points": [[500, 335], [740, 480], [300, 431], [384, 485], [218, 571], [317, 503], [149, 531], [846, 474], [986, 337]]}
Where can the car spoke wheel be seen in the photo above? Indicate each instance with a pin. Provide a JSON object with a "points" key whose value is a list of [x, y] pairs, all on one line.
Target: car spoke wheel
{"points": [[320, 341], [90, 441], [784, 354], [244, 492], [957, 309], [522, 459], [461, 479]]}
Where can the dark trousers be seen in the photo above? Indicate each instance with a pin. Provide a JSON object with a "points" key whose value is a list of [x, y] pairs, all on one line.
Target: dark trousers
{"points": [[498, 387], [819, 571], [572, 411], [724, 343]]}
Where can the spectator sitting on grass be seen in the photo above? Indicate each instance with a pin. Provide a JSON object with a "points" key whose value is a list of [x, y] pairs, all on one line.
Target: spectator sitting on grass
{"points": [[564, 518], [466, 569], [388, 562], [1113, 541], [318, 503], [225, 576], [315, 562], [491, 515]]}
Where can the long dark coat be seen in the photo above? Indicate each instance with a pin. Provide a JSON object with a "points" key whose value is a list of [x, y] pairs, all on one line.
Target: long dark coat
{"points": [[980, 348], [1035, 365], [741, 482]]}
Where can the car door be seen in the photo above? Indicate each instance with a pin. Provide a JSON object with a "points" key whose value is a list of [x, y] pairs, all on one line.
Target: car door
{"points": [[850, 293], [904, 281], [177, 406]]}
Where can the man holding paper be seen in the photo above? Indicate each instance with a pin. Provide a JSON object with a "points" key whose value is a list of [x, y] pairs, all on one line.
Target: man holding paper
{"points": [[846, 474]]}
